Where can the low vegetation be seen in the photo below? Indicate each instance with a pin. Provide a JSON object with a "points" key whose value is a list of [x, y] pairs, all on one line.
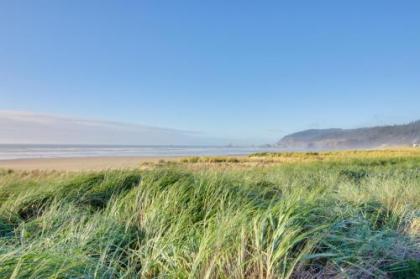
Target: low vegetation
{"points": [[348, 216]]}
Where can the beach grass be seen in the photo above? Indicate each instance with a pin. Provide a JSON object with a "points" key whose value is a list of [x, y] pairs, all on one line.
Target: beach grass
{"points": [[317, 215]]}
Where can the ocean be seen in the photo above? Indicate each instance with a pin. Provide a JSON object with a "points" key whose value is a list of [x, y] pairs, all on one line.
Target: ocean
{"points": [[18, 151]]}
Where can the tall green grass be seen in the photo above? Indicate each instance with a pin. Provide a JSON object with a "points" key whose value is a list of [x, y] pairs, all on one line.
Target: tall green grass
{"points": [[340, 219]]}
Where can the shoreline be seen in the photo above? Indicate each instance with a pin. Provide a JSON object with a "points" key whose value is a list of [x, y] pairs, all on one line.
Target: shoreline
{"points": [[89, 163], [82, 163]]}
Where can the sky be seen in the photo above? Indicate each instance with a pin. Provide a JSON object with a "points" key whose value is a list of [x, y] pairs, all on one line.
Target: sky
{"points": [[204, 72], [34, 128]]}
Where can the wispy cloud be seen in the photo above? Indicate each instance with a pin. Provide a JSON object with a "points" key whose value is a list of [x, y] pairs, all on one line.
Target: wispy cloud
{"points": [[34, 128]]}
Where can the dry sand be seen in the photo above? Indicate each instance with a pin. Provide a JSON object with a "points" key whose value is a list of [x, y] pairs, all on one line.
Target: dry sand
{"points": [[80, 164]]}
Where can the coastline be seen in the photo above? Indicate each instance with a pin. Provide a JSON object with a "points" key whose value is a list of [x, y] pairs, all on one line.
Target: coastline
{"points": [[82, 163]]}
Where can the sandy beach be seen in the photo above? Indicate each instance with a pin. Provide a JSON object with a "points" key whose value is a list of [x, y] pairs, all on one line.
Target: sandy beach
{"points": [[80, 164]]}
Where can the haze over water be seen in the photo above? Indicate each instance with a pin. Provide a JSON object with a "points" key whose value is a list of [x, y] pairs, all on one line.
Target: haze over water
{"points": [[9, 151]]}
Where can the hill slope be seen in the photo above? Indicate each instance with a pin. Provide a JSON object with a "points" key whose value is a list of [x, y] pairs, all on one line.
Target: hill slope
{"points": [[391, 135]]}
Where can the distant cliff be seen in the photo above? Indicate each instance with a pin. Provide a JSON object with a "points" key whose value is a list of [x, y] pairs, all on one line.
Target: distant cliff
{"points": [[392, 135]]}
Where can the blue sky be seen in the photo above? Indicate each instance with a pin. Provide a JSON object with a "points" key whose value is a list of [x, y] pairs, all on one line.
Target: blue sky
{"points": [[245, 71]]}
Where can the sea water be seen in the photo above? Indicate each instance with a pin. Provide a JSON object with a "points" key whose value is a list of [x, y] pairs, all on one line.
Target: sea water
{"points": [[17, 151]]}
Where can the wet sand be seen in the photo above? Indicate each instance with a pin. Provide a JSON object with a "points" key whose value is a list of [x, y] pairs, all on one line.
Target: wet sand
{"points": [[81, 164]]}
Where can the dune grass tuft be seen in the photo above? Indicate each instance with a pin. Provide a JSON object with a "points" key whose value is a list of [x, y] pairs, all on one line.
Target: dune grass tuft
{"points": [[343, 218]]}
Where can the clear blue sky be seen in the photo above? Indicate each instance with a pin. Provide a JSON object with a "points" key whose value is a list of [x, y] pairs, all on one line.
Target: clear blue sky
{"points": [[233, 69]]}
